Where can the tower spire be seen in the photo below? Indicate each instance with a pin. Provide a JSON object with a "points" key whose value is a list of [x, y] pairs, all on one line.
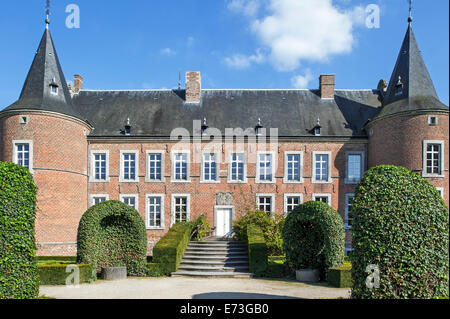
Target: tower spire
{"points": [[410, 18], [47, 13]]}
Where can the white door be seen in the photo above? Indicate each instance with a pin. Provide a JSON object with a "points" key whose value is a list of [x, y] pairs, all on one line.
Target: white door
{"points": [[223, 222]]}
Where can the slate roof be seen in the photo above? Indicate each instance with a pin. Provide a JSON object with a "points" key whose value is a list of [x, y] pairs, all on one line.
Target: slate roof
{"points": [[293, 112]]}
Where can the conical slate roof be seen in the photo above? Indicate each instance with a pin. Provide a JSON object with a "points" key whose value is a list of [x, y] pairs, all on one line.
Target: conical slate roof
{"points": [[44, 73], [410, 88]]}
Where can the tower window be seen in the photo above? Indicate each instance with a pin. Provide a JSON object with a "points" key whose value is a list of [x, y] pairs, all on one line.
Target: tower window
{"points": [[54, 89], [399, 87], [432, 120]]}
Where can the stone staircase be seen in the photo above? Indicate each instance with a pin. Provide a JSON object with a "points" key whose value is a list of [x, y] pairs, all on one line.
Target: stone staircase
{"points": [[215, 258]]}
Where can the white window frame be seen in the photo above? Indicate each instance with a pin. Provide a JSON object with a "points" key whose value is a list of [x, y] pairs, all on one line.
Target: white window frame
{"points": [[135, 196], [121, 176], [286, 176], [202, 175], [147, 211], [272, 201], [347, 213], [54, 87], [147, 166], [288, 195], [188, 166], [273, 165], [230, 162], [172, 209], [442, 159], [441, 191], [30, 155], [329, 180], [92, 177], [430, 118], [328, 195], [93, 196], [362, 165]]}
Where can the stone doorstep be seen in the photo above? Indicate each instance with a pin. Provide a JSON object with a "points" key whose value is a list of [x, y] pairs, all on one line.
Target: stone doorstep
{"points": [[212, 274], [231, 250], [214, 268], [212, 257], [214, 262]]}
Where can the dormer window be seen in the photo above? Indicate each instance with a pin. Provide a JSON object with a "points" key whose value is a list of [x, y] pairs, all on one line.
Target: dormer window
{"points": [[128, 128], [53, 87], [399, 87], [258, 128], [204, 128], [317, 129]]}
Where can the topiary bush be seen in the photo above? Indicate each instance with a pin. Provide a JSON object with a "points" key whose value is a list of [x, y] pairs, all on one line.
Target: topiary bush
{"points": [[400, 224], [112, 234], [314, 237], [18, 270], [201, 228]]}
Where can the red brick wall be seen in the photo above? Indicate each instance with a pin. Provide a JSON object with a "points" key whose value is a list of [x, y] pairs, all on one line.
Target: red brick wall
{"points": [[60, 168], [399, 141]]}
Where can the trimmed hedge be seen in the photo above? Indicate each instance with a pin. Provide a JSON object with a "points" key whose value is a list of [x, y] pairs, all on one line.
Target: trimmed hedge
{"points": [[112, 234], [257, 250], [169, 250], [401, 225], [56, 274], [155, 270], [18, 271], [314, 237], [340, 277]]}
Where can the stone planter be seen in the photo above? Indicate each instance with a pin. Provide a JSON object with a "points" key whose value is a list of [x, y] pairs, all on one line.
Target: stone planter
{"points": [[114, 273], [308, 275]]}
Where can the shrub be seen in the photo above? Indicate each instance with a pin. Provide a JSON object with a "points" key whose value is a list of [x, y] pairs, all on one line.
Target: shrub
{"points": [[201, 228], [155, 270], [271, 227], [170, 249], [18, 271], [112, 234], [340, 277], [314, 237], [55, 274], [400, 224], [257, 250]]}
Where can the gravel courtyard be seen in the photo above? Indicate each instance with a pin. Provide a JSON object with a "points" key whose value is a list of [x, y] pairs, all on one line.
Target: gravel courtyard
{"points": [[195, 288]]}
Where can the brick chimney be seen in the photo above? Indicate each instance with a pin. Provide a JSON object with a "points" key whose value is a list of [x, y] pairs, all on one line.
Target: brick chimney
{"points": [[327, 86], [193, 87], [77, 83]]}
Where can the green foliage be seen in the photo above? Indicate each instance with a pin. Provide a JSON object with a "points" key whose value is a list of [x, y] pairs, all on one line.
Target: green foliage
{"points": [[276, 268], [170, 249], [271, 226], [55, 274], [400, 224], [18, 271], [257, 250], [340, 277], [155, 270], [314, 237], [201, 228], [112, 234]]}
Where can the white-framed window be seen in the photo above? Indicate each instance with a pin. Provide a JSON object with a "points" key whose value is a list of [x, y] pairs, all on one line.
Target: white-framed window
{"points": [[98, 198], [54, 89], [321, 167], [24, 119], [23, 154], [293, 167], [237, 168], [181, 209], [291, 201], [265, 202], [99, 166], [210, 168], [324, 198], [432, 120], [154, 211], [130, 200], [265, 167], [348, 219], [441, 191], [155, 166], [180, 166], [433, 159], [129, 166], [355, 167]]}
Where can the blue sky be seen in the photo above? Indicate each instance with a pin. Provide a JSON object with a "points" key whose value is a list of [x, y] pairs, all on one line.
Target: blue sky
{"points": [[144, 44]]}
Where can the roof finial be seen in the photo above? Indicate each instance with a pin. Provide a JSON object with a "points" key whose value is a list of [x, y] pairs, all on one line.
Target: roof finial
{"points": [[410, 19], [47, 12]]}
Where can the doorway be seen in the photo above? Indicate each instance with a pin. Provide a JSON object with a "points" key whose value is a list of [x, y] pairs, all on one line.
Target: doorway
{"points": [[223, 216]]}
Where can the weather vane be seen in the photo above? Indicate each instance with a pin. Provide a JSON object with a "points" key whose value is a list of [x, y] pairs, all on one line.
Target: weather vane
{"points": [[410, 19], [47, 12]]}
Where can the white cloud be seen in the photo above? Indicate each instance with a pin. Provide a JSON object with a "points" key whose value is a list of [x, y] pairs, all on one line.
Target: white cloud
{"points": [[302, 81], [168, 52], [241, 61], [294, 31]]}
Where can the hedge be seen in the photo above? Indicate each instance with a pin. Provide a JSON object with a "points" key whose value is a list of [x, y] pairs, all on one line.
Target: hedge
{"points": [[340, 277], [257, 250], [169, 250], [314, 237], [155, 270], [112, 234], [401, 226], [56, 274], [18, 270]]}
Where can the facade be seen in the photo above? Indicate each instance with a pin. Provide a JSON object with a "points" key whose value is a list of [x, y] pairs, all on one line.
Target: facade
{"points": [[177, 154]]}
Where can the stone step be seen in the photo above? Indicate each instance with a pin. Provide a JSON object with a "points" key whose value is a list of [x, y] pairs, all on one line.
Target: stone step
{"points": [[189, 258], [200, 262], [218, 244], [219, 250], [212, 274], [215, 255], [213, 268]]}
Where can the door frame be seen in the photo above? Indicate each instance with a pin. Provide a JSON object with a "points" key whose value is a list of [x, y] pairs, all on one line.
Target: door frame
{"points": [[219, 207]]}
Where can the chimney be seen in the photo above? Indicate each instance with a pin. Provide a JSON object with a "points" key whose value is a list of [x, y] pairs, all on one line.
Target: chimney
{"points": [[77, 83], [327, 86], [193, 87]]}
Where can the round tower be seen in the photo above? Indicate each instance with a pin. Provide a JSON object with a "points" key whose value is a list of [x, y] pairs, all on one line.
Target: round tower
{"points": [[412, 128], [43, 132]]}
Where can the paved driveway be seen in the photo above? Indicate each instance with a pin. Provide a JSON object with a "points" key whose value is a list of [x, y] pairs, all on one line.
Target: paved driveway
{"points": [[194, 288]]}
